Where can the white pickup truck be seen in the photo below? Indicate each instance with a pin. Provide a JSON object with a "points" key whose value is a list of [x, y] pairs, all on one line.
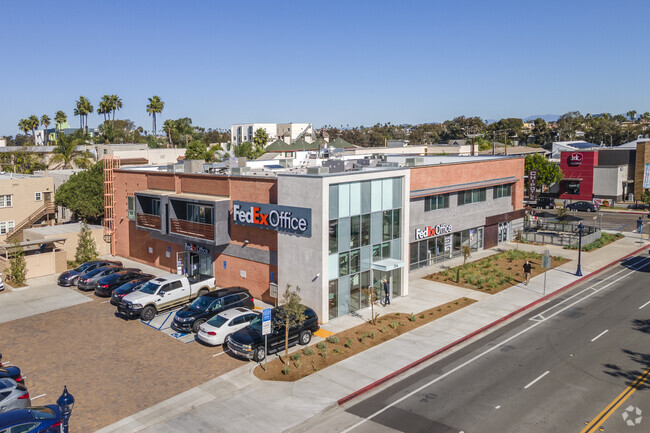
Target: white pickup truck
{"points": [[163, 293]]}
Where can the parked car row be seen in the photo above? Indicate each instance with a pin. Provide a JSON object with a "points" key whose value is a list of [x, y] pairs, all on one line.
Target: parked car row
{"points": [[13, 392], [221, 316]]}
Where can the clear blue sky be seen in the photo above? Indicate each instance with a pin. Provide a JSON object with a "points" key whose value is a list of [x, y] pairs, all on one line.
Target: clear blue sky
{"points": [[335, 62]]}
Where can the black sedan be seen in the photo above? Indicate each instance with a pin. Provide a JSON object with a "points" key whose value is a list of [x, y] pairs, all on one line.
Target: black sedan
{"points": [[69, 278], [583, 206], [88, 281], [191, 317], [129, 287], [107, 284]]}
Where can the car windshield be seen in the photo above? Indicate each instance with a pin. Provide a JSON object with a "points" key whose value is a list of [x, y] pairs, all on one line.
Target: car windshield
{"points": [[217, 321], [43, 413], [149, 288], [256, 324], [83, 267], [201, 303]]}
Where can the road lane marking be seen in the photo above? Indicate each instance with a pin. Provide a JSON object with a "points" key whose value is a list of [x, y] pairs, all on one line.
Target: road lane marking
{"points": [[644, 305], [611, 408], [498, 407], [599, 335], [534, 381], [38, 396], [503, 343]]}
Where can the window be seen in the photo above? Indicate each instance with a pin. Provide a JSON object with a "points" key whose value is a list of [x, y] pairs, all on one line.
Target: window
{"points": [[396, 226], [502, 191], [433, 202], [344, 263], [471, 196], [6, 227], [199, 214], [334, 244], [5, 201], [365, 230], [387, 227], [573, 188], [130, 204], [38, 196], [355, 231]]}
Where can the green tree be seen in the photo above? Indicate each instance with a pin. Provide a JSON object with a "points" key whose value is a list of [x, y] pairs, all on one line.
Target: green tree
{"points": [[169, 128], [45, 121], [17, 265], [646, 196], [66, 152], [25, 162], [632, 115], [196, 149], [83, 194], [82, 109], [261, 138], [542, 134], [154, 107], [105, 107], [86, 247], [115, 103], [289, 314], [33, 122], [548, 173], [248, 151], [23, 124]]}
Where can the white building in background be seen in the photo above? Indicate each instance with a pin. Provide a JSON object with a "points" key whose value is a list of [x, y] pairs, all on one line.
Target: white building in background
{"points": [[287, 132]]}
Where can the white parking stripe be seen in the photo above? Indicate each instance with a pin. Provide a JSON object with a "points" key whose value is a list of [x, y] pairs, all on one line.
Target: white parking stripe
{"points": [[534, 381], [644, 305], [38, 396], [599, 335]]}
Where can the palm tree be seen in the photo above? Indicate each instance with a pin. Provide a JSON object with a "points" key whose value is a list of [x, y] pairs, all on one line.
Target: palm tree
{"points": [[66, 152], [154, 107], [45, 121], [105, 107], [631, 114], [33, 122], [24, 126], [169, 126], [59, 118], [116, 104], [83, 108]]}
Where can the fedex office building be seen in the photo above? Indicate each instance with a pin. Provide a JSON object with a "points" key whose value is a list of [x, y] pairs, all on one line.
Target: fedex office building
{"points": [[329, 229]]}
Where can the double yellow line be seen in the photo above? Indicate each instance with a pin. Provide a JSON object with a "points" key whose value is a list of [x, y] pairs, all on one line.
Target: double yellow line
{"points": [[611, 408]]}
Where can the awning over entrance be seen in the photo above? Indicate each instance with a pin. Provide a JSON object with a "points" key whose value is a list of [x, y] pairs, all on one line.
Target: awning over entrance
{"points": [[387, 264]]}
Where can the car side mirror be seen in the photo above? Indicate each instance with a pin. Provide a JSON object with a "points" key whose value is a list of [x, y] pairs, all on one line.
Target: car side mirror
{"points": [[161, 293]]}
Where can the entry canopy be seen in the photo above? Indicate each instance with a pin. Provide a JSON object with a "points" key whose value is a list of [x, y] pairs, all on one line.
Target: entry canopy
{"points": [[387, 265]]}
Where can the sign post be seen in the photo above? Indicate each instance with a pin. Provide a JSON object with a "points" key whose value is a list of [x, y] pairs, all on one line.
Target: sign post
{"points": [[546, 264], [266, 330]]}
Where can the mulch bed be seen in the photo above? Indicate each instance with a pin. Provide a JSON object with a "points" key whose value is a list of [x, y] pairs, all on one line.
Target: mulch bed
{"points": [[495, 273], [352, 341]]}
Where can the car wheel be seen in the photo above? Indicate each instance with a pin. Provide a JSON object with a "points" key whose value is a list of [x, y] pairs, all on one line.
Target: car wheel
{"points": [[225, 340], [305, 337], [148, 313], [202, 292], [197, 325], [589, 209], [259, 354]]}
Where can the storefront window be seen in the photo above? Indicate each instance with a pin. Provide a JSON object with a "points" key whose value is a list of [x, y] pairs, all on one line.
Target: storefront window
{"points": [[573, 188], [385, 250], [355, 261], [396, 223], [429, 251], [376, 253], [344, 264], [355, 292], [333, 298]]}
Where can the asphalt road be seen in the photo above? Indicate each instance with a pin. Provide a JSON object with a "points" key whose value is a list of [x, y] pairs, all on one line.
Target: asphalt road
{"points": [[572, 365], [608, 220]]}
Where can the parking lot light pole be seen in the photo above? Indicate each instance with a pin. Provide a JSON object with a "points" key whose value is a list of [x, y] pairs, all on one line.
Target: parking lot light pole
{"points": [[581, 230], [66, 403]]}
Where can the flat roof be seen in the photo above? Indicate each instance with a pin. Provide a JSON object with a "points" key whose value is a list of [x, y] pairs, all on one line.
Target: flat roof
{"points": [[199, 197], [4, 175], [61, 229]]}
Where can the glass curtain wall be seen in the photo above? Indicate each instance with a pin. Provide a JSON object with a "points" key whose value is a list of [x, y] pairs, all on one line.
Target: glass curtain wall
{"points": [[365, 220], [440, 248]]}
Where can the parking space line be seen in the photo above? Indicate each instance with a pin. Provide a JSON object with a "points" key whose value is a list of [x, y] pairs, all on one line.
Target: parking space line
{"points": [[38, 396], [165, 321], [644, 305], [534, 381], [106, 301], [599, 335]]}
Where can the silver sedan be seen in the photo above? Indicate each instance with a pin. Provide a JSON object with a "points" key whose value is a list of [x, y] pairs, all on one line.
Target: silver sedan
{"points": [[13, 395]]}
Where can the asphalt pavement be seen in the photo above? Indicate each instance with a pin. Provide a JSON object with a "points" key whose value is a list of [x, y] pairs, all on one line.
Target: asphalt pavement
{"points": [[561, 367], [619, 221]]}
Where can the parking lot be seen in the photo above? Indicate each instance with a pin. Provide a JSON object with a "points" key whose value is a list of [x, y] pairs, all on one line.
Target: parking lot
{"points": [[112, 366]]}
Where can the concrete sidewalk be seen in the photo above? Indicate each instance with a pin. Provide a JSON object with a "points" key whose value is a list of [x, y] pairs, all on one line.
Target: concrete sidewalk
{"points": [[239, 402]]}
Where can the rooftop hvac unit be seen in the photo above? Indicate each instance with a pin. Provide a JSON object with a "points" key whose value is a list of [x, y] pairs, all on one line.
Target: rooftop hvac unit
{"points": [[318, 170], [412, 162], [240, 171]]}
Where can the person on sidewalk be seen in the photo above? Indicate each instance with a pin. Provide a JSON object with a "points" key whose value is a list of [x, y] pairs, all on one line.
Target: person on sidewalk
{"points": [[385, 286], [527, 268]]}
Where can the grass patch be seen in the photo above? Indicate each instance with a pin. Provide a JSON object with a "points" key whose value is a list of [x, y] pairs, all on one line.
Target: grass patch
{"points": [[605, 239]]}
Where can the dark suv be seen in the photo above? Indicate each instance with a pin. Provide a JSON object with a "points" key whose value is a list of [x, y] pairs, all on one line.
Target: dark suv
{"points": [[249, 342], [544, 203], [70, 278], [191, 317]]}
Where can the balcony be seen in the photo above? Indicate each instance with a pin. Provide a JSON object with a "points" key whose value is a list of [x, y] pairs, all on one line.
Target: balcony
{"points": [[148, 221], [191, 229]]}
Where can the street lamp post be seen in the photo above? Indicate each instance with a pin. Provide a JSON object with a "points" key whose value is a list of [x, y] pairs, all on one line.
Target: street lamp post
{"points": [[581, 230], [66, 403]]}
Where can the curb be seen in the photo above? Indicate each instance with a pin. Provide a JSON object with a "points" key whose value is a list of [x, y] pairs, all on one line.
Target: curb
{"points": [[385, 379]]}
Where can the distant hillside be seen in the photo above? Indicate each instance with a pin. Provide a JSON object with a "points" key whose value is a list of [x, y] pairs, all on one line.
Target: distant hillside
{"points": [[546, 117]]}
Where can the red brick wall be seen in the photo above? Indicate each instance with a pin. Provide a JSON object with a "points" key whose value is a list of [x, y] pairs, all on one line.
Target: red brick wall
{"points": [[204, 184], [164, 181], [467, 172], [257, 275]]}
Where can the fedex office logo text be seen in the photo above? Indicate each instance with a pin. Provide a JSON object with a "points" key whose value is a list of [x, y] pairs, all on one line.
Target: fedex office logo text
{"points": [[273, 217], [430, 231]]}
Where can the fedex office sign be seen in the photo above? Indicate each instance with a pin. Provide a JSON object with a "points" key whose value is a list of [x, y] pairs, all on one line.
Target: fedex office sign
{"points": [[285, 219], [430, 231]]}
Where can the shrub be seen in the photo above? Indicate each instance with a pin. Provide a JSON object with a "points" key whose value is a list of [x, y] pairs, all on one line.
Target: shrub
{"points": [[322, 345], [286, 370], [348, 344], [308, 351], [298, 364], [383, 329], [421, 316], [336, 350], [332, 340], [371, 335], [394, 324], [412, 318], [295, 356]]}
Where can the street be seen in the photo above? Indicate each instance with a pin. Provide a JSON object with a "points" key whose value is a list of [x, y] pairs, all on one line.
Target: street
{"points": [[616, 221], [577, 364]]}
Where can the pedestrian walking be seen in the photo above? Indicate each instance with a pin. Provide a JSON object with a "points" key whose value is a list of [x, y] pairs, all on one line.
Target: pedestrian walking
{"points": [[527, 268], [386, 287]]}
